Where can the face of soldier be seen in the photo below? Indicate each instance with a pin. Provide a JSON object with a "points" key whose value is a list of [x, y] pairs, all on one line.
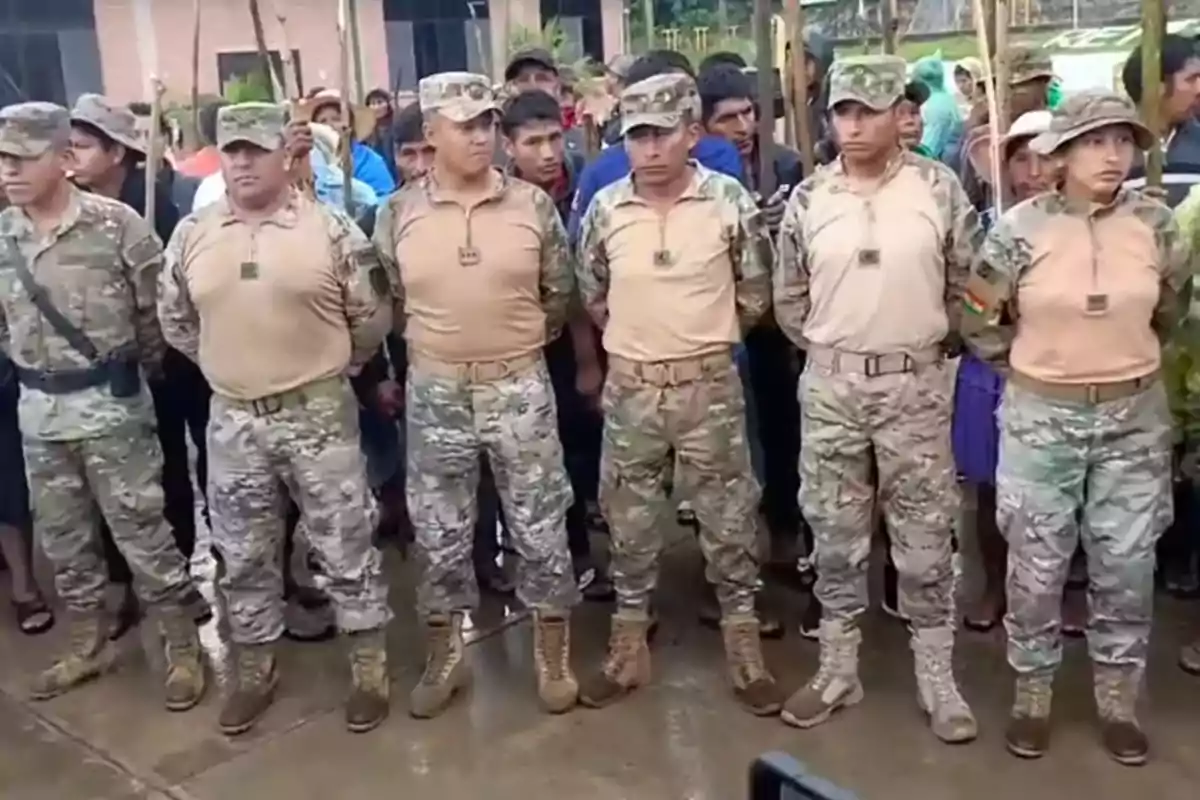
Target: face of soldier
{"points": [[537, 151], [254, 177], [536, 76], [413, 159], [465, 148], [1097, 163], [734, 119], [1182, 92], [908, 124], [1028, 173], [660, 155], [864, 134], [93, 158], [28, 181]]}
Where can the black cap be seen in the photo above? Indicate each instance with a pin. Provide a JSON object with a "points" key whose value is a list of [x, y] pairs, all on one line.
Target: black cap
{"points": [[533, 55], [916, 93]]}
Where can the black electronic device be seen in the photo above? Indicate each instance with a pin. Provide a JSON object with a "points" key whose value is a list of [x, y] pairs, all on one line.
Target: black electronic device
{"points": [[778, 776]]}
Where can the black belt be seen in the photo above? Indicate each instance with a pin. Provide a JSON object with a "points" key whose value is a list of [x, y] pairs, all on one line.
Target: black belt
{"points": [[63, 381]]}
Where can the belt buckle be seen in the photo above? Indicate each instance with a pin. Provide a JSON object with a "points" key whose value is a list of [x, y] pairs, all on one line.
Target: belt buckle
{"points": [[872, 366], [485, 371], [657, 374], [266, 406]]}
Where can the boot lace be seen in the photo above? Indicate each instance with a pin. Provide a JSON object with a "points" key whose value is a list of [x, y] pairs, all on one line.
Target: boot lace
{"points": [[552, 652], [746, 651], [1033, 697], [622, 649], [939, 675], [441, 652], [252, 670]]}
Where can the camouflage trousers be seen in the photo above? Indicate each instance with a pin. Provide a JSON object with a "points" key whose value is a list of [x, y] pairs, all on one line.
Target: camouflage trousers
{"points": [[451, 417], [307, 443], [120, 475], [1099, 474], [903, 420], [695, 407]]}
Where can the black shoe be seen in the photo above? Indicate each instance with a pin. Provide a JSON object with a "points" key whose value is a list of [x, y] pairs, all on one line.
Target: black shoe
{"points": [[810, 620]]}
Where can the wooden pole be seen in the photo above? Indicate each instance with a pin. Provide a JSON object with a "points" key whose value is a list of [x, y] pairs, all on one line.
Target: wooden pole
{"points": [[154, 148], [990, 88], [1000, 52], [293, 86], [195, 116], [264, 53], [802, 119], [766, 98], [345, 141], [1154, 16], [360, 89], [648, 12], [887, 26]]}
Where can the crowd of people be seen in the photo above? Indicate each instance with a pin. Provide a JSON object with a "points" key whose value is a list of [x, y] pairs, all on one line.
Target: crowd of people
{"points": [[492, 328]]}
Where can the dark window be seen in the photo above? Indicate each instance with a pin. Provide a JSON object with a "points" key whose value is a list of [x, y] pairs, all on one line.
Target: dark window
{"points": [[246, 63], [433, 10], [589, 13], [30, 68], [48, 14]]}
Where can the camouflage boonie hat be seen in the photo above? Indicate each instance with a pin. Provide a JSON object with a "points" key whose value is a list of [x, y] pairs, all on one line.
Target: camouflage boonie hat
{"points": [[259, 124], [1082, 112], [663, 101], [116, 122], [875, 81], [29, 130], [458, 96], [1026, 63]]}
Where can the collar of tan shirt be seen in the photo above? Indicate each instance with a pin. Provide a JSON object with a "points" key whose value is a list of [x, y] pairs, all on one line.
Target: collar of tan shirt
{"points": [[286, 216], [500, 181], [898, 161], [626, 191]]}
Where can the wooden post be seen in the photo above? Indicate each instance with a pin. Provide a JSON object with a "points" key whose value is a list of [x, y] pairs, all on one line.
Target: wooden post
{"points": [[154, 148], [802, 119], [990, 87], [1154, 16], [360, 89], [648, 12], [887, 25], [293, 86], [264, 53], [346, 134], [196, 142], [766, 98], [1001, 13]]}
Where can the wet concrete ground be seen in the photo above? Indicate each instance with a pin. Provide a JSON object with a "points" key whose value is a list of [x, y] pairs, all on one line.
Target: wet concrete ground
{"points": [[680, 739]]}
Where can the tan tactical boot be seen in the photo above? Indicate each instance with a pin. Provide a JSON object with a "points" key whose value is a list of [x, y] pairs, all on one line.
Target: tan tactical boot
{"points": [[627, 665], [255, 681], [836, 683], [1028, 732], [370, 685], [753, 686], [937, 692], [1117, 691], [1189, 658], [186, 679], [446, 672], [88, 656], [557, 687]]}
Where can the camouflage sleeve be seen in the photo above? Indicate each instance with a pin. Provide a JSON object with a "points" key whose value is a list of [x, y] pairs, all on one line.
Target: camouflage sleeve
{"points": [[592, 263], [752, 255], [557, 281], [180, 320], [384, 239], [1176, 281], [790, 274], [963, 239], [989, 299], [364, 285], [142, 259]]}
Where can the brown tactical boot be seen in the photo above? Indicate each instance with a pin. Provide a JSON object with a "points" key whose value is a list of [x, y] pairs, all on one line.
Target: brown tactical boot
{"points": [[937, 692], [627, 665], [256, 678], [1028, 732], [186, 679], [753, 686], [369, 682], [836, 683], [89, 655], [557, 687], [446, 672], [1116, 691]]}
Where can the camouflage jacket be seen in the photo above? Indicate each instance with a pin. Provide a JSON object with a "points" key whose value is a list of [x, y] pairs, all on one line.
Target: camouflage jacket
{"points": [[1181, 359], [100, 268], [991, 302], [743, 229]]}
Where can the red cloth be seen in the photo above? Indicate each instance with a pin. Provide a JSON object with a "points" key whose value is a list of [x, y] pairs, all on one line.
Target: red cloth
{"points": [[200, 164], [569, 118]]}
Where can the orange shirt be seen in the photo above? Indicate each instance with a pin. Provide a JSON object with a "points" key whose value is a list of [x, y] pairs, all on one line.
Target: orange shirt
{"points": [[200, 164]]}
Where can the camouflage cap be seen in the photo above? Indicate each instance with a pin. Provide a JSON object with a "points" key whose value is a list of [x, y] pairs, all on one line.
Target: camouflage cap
{"points": [[114, 121], [259, 124], [1082, 112], [28, 130], [663, 101], [876, 81], [459, 96], [1027, 63]]}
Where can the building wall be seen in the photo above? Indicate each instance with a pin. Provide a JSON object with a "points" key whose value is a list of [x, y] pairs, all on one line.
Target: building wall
{"points": [[225, 27]]}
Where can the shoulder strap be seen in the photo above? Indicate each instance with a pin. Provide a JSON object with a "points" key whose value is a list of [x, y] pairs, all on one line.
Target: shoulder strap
{"points": [[61, 325]]}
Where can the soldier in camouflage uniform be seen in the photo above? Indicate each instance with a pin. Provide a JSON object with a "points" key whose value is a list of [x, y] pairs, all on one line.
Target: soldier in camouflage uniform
{"points": [[482, 274], [277, 298], [1073, 292], [874, 251], [674, 266], [78, 281]]}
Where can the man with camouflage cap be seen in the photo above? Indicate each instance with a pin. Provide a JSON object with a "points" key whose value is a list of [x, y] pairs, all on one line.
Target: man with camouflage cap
{"points": [[481, 272], [78, 283], [1073, 296], [674, 266], [874, 252], [277, 298]]}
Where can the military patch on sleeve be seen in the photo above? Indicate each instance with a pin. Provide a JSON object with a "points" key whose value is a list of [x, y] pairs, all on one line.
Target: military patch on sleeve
{"points": [[980, 297], [143, 250]]}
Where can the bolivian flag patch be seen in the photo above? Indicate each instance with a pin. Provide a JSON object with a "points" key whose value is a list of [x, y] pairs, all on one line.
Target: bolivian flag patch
{"points": [[980, 297], [974, 304]]}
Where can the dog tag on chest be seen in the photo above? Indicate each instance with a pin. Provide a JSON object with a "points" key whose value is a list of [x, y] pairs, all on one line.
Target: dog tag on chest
{"points": [[868, 257], [249, 270], [663, 258], [468, 256], [1097, 303]]}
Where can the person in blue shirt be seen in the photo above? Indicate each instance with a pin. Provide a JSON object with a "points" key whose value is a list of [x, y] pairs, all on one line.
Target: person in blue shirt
{"points": [[369, 166], [612, 164]]}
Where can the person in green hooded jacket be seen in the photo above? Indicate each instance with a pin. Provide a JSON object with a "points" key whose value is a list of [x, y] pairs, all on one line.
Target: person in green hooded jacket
{"points": [[939, 113]]}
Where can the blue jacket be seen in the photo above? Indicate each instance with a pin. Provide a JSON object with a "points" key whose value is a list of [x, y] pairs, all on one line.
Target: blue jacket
{"points": [[943, 122], [612, 165], [371, 169]]}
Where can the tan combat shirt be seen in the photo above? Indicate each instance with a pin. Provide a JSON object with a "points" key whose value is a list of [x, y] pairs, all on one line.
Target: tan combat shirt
{"points": [[100, 268], [1078, 296], [484, 282], [680, 284], [269, 306], [877, 271]]}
